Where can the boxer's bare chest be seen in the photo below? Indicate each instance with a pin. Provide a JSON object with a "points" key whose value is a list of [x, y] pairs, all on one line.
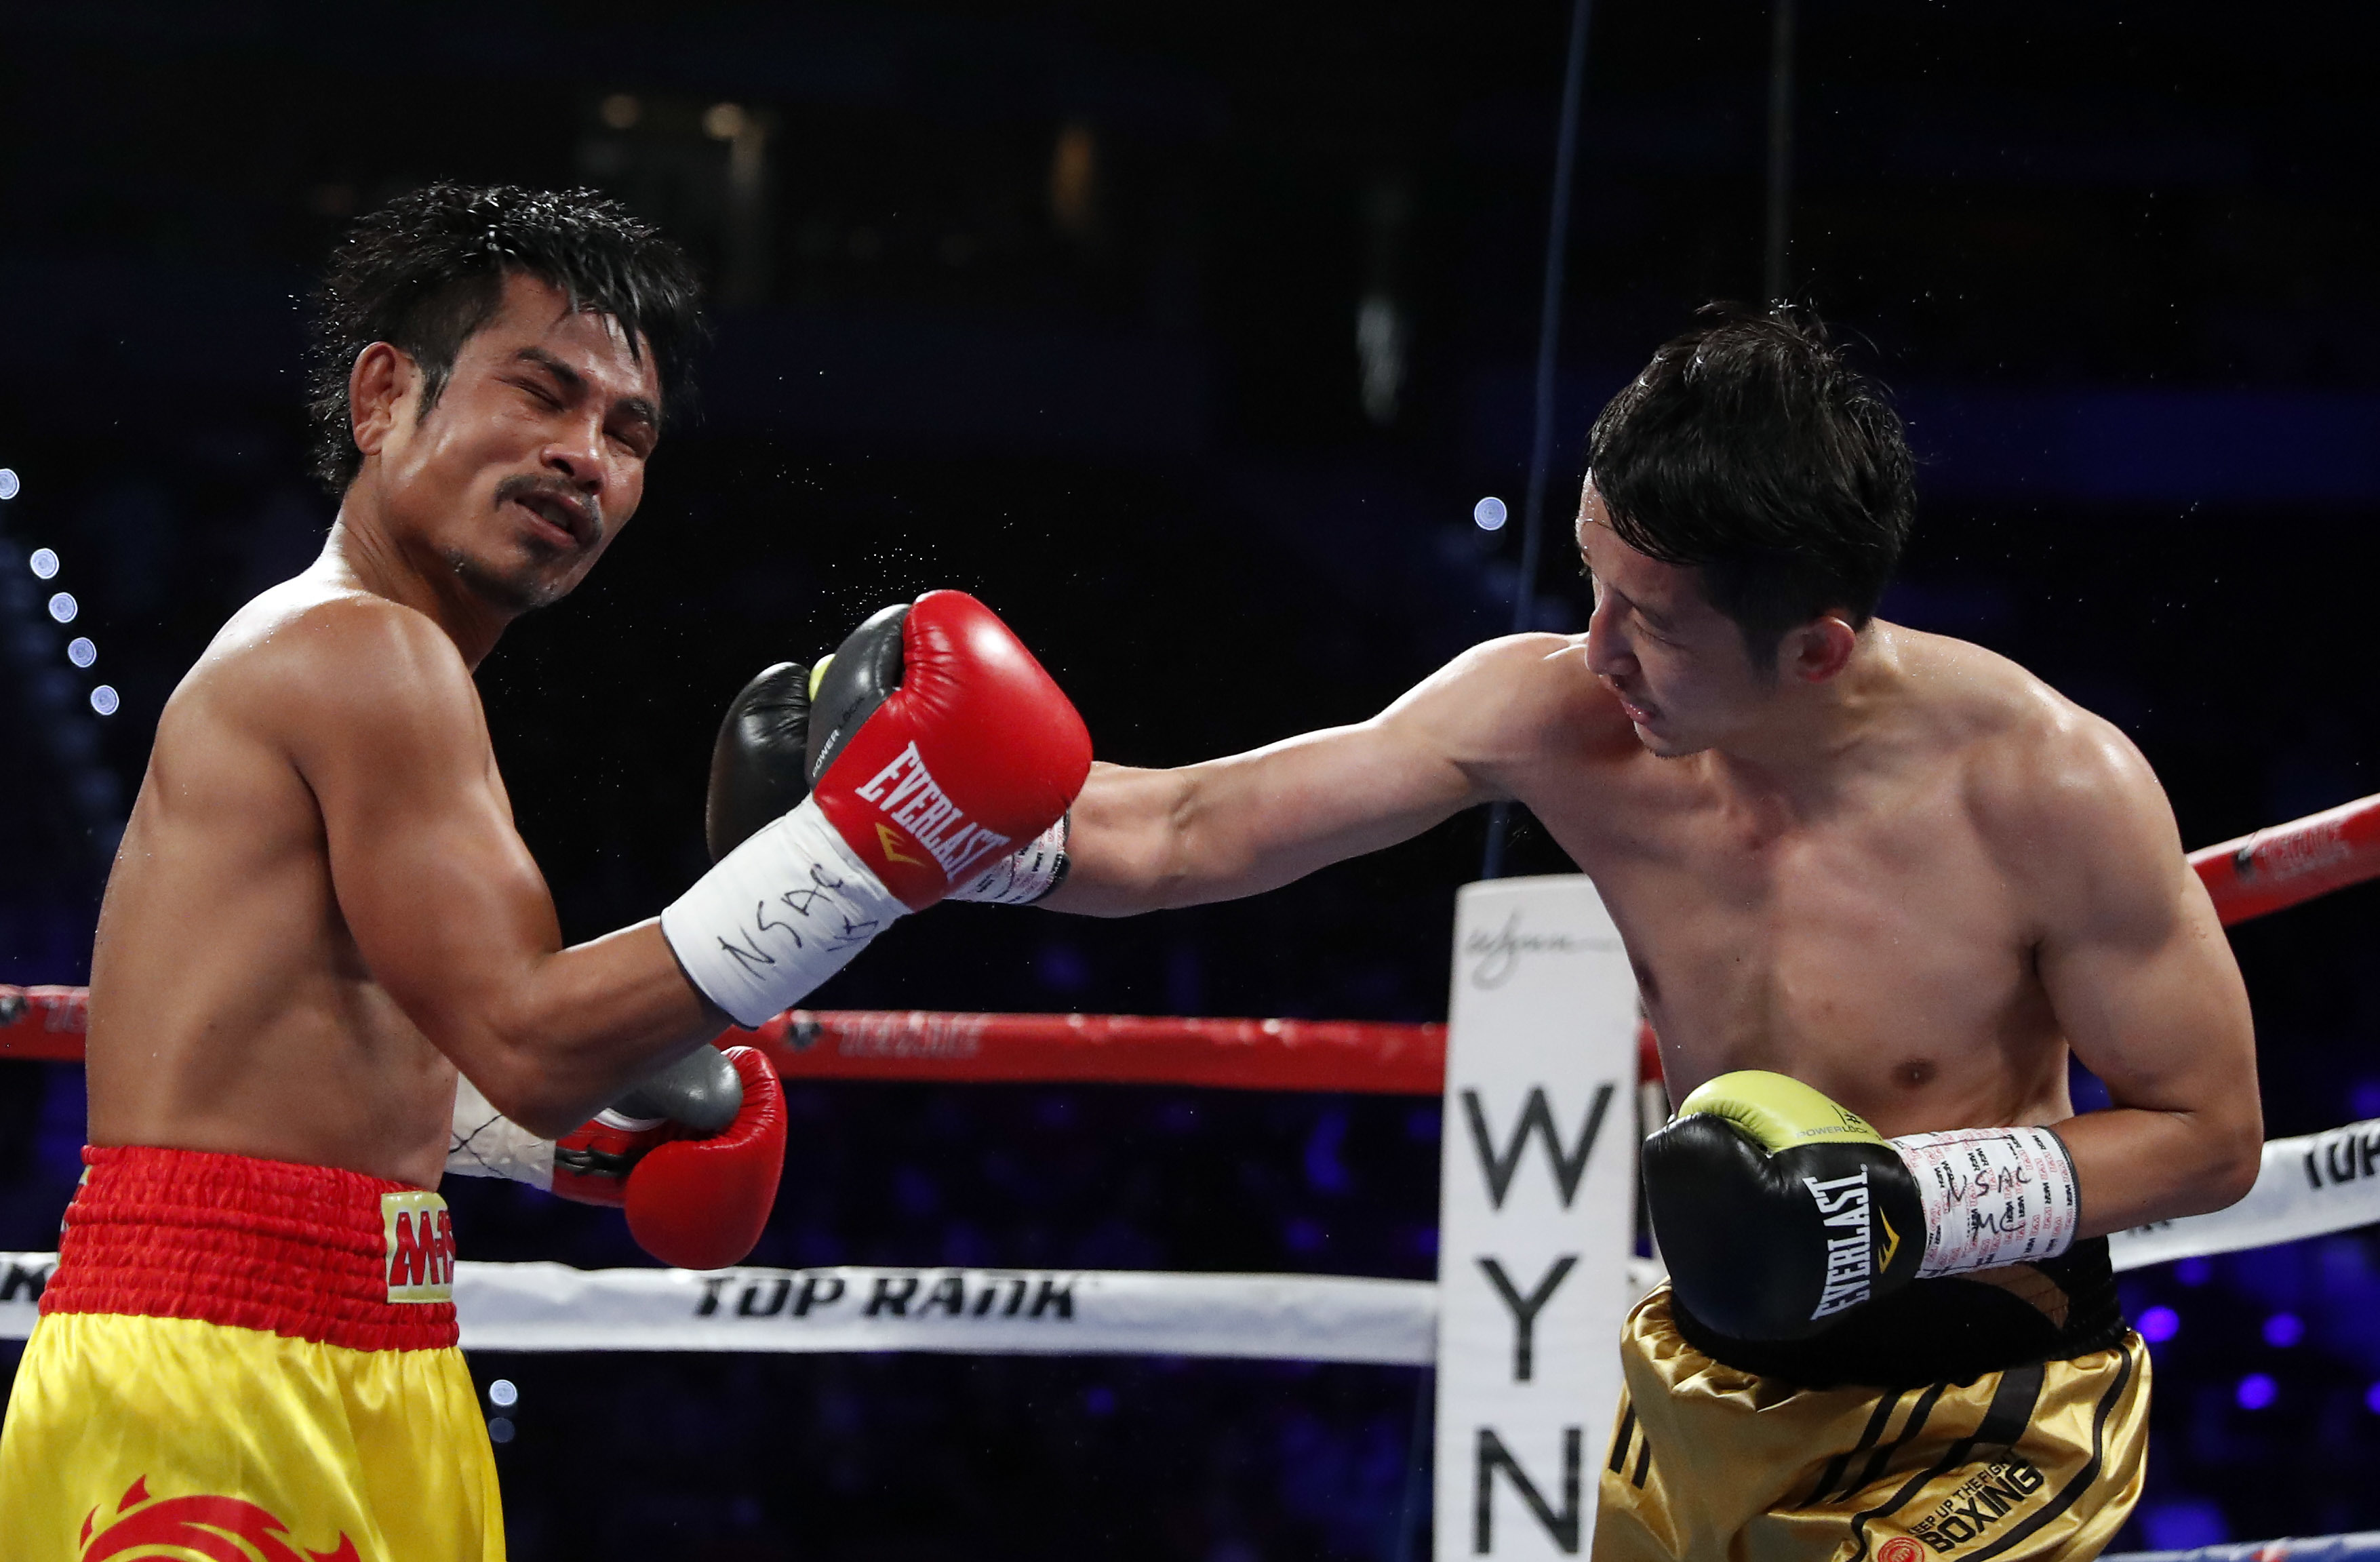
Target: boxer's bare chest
{"points": [[1865, 942], [231, 1009]]}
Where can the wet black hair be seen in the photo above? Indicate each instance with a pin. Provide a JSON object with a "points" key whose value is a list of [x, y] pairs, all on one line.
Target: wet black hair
{"points": [[1750, 450], [427, 269]]}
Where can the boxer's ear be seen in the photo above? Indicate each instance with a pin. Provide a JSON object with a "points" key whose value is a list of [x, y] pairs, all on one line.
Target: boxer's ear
{"points": [[381, 385], [1818, 649]]}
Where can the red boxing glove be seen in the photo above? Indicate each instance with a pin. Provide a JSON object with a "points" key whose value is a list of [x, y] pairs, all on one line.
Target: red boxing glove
{"points": [[692, 1202], [937, 743], [593, 1165]]}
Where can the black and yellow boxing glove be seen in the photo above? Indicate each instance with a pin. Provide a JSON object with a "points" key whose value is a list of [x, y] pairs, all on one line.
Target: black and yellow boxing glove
{"points": [[1778, 1211]]}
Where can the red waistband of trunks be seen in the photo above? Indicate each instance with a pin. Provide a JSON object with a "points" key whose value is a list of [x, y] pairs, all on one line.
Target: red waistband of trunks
{"points": [[301, 1250]]}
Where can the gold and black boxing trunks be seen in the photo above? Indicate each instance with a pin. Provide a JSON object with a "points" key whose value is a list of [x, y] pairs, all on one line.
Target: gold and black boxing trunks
{"points": [[1995, 1420], [247, 1357]]}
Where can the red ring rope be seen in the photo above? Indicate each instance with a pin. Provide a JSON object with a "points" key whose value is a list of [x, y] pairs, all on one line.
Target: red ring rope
{"points": [[2278, 868], [2248, 877], [49, 1023], [1111, 1049], [43, 1024]]}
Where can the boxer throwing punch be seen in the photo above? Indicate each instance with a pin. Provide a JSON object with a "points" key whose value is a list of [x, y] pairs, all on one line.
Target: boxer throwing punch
{"points": [[1866, 875], [322, 912]]}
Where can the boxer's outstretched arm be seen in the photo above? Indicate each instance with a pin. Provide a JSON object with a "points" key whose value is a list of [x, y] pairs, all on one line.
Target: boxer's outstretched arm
{"points": [[1147, 840], [446, 906], [2143, 982]]}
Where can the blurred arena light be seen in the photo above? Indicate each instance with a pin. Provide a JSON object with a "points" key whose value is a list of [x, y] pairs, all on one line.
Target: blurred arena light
{"points": [[2257, 1391], [620, 111], [502, 1395], [27, 648], [104, 699], [1074, 179], [1380, 353], [2158, 1325], [2284, 1329], [9, 484], [724, 122], [1490, 514]]}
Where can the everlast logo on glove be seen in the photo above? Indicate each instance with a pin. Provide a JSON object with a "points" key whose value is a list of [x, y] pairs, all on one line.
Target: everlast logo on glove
{"points": [[1843, 1205], [1763, 1166], [920, 806]]}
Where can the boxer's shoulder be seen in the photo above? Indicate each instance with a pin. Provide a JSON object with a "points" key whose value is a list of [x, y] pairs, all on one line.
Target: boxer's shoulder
{"points": [[305, 661], [2006, 722], [2051, 786], [1526, 697]]}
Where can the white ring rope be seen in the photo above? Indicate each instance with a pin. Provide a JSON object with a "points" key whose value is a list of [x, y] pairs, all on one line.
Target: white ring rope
{"points": [[2361, 1546], [2310, 1186], [992, 1312]]}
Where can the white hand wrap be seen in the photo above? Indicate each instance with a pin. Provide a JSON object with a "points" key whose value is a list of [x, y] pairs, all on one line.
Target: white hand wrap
{"points": [[485, 1142], [1024, 878], [1993, 1196], [776, 917]]}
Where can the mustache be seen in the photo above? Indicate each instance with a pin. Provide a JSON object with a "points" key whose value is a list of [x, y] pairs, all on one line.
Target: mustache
{"points": [[525, 485]]}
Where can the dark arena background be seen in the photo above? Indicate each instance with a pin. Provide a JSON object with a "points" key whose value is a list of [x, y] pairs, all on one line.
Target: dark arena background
{"points": [[1191, 338]]}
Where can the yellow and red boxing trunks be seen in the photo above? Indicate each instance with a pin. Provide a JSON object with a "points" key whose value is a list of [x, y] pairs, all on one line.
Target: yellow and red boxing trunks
{"points": [[250, 1358], [2039, 1460]]}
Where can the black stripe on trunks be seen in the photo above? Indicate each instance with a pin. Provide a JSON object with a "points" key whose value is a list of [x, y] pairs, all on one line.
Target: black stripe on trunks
{"points": [[2004, 1422], [2083, 1478], [1644, 1464], [1881, 1460], [1619, 1439], [1841, 1462]]}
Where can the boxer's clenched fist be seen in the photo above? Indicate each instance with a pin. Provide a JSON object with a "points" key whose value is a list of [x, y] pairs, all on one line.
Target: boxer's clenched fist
{"points": [[760, 768], [938, 745], [693, 1154], [700, 1201], [1778, 1211], [934, 745]]}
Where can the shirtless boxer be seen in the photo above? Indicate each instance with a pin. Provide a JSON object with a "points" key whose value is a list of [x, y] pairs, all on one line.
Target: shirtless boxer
{"points": [[1852, 864], [322, 911]]}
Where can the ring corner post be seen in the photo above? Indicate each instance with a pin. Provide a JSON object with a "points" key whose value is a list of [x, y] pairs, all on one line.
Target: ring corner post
{"points": [[1537, 1199]]}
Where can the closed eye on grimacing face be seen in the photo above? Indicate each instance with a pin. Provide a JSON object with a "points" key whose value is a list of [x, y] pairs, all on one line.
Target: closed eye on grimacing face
{"points": [[565, 362], [633, 418]]}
